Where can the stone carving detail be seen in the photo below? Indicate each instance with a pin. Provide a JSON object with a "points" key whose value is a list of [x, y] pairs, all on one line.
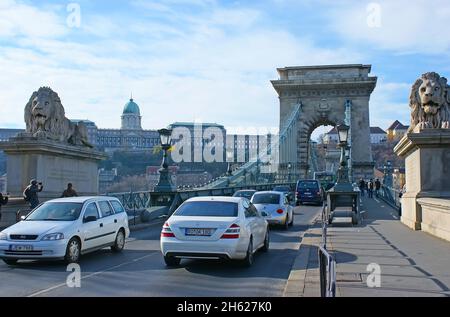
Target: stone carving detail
{"points": [[430, 102], [45, 119]]}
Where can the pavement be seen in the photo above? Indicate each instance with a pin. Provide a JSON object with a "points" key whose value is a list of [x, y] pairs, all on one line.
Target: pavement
{"points": [[411, 263], [140, 270]]}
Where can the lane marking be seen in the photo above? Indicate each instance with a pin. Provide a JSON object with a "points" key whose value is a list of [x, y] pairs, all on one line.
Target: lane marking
{"points": [[92, 274]]}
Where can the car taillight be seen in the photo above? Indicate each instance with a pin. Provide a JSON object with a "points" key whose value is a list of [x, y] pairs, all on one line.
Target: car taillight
{"points": [[232, 232], [167, 232], [280, 211]]}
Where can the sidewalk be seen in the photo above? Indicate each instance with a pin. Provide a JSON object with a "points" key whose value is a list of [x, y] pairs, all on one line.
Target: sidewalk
{"points": [[412, 263]]}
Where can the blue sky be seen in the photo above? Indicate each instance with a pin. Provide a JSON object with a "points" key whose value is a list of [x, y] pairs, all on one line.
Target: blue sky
{"points": [[209, 60]]}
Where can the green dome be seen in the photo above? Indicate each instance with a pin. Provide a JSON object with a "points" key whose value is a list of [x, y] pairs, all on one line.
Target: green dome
{"points": [[131, 108]]}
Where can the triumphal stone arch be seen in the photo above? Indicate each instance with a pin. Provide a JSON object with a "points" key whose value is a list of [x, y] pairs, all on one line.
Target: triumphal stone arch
{"points": [[311, 96]]}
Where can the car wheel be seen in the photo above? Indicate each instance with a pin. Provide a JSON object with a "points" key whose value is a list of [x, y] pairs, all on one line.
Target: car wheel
{"points": [[73, 251], [172, 261], [10, 261], [292, 220], [248, 261], [119, 243], [265, 247]]}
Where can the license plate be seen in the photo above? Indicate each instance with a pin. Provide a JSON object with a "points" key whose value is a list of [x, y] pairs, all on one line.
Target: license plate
{"points": [[21, 248], [199, 232]]}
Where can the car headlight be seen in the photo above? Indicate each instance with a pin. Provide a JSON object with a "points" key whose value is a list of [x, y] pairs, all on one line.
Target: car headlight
{"points": [[3, 236], [53, 237]]}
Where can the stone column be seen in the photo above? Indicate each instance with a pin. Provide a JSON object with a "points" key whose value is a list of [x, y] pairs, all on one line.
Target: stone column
{"points": [[427, 161]]}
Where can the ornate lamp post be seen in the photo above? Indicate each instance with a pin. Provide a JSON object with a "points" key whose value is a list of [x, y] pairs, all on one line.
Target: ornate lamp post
{"points": [[289, 167], [164, 183], [343, 183]]}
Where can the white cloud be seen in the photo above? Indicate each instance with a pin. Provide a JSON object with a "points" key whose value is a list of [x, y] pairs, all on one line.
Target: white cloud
{"points": [[390, 102], [18, 19], [405, 26], [200, 71]]}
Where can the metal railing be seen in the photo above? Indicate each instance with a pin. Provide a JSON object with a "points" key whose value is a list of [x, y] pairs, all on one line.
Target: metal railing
{"points": [[147, 199], [327, 266], [391, 196], [327, 263]]}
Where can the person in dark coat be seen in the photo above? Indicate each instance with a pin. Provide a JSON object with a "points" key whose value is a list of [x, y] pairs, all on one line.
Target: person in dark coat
{"points": [[31, 193], [377, 187], [3, 201], [69, 192], [362, 186], [370, 186]]}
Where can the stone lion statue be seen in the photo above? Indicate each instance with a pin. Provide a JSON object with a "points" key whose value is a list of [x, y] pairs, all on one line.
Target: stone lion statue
{"points": [[430, 102], [45, 118]]}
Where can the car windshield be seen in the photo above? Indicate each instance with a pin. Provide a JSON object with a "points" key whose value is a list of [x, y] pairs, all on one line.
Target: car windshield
{"points": [[208, 209], [308, 185], [271, 199], [282, 189], [246, 194], [56, 212]]}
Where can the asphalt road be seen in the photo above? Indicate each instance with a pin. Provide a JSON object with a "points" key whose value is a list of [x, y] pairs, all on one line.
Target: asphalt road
{"points": [[140, 270]]}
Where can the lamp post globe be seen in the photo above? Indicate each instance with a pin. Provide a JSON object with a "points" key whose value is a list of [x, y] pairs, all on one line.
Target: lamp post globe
{"points": [[343, 133]]}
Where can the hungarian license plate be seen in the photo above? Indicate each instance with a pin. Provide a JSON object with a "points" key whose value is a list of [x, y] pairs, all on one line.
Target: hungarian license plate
{"points": [[23, 248], [199, 232]]}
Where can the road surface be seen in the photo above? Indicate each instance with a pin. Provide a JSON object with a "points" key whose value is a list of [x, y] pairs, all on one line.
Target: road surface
{"points": [[140, 270]]}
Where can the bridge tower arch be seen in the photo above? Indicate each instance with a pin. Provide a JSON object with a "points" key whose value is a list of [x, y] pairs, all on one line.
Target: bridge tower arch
{"points": [[311, 96]]}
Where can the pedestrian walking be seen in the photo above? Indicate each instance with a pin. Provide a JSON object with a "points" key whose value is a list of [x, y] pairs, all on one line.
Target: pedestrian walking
{"points": [[362, 187], [370, 187], [30, 194], [69, 192], [377, 187], [3, 201]]}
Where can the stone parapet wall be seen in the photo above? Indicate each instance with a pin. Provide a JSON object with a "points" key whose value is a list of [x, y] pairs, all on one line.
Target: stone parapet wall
{"points": [[435, 216]]}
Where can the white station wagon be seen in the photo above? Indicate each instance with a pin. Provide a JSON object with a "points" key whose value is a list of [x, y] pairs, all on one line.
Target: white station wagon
{"points": [[65, 229]]}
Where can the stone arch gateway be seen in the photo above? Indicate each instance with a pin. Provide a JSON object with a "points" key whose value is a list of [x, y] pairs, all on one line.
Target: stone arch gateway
{"points": [[311, 96]]}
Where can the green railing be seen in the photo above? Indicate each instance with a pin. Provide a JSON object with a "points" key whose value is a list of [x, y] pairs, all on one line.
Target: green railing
{"points": [[146, 199]]}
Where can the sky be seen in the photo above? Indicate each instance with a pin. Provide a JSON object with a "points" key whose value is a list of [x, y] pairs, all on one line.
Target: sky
{"points": [[209, 60]]}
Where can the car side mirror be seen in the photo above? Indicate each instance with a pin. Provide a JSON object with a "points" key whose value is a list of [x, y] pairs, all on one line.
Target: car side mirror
{"points": [[22, 218], [89, 219]]}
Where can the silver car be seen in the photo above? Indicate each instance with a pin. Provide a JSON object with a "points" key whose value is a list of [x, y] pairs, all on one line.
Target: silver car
{"points": [[275, 207]]}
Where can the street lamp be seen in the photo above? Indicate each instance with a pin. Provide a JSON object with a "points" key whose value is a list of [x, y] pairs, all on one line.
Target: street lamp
{"points": [[289, 166], [343, 183], [164, 183]]}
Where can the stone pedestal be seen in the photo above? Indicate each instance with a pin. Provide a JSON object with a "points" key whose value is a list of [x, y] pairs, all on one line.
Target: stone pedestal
{"points": [[427, 162], [52, 163]]}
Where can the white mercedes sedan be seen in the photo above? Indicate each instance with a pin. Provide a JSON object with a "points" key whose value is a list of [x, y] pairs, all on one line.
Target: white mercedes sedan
{"points": [[65, 229], [214, 228]]}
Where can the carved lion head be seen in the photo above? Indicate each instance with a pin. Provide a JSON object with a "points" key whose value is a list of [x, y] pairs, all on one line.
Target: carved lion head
{"points": [[429, 102], [44, 112]]}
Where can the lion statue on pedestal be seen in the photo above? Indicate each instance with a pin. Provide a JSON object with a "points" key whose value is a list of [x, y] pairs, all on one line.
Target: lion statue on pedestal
{"points": [[45, 118], [430, 103]]}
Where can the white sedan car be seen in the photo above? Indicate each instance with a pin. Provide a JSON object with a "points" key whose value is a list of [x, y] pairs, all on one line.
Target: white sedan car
{"points": [[214, 228], [275, 207], [65, 229]]}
